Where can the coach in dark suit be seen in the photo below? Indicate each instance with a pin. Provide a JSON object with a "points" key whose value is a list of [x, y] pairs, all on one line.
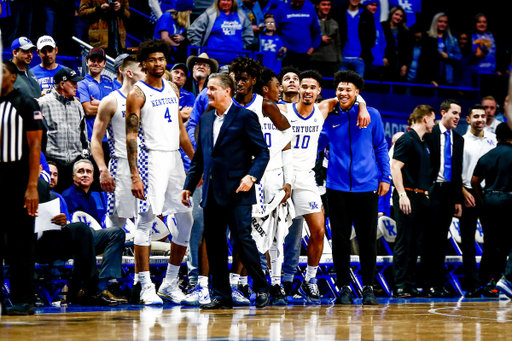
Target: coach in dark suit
{"points": [[229, 137], [446, 151]]}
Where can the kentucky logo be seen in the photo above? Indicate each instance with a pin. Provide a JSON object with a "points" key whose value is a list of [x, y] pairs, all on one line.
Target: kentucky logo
{"points": [[313, 205], [229, 28], [390, 227]]}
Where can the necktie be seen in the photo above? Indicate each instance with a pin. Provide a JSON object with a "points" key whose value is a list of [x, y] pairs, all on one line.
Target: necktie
{"points": [[447, 156]]}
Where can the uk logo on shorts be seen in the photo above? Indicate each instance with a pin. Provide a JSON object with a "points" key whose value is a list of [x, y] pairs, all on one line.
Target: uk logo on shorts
{"points": [[313, 205]]}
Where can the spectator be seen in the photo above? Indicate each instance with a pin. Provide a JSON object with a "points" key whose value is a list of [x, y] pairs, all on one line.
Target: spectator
{"points": [[172, 27], [19, 23], [300, 31], [118, 82], [412, 9], [54, 174], [179, 74], [398, 44], [159, 7], [357, 31], [271, 45], [491, 106], [21, 131], [94, 87], [47, 51], [82, 243], [67, 130], [106, 23], [326, 59], [222, 27], [79, 196], [419, 40], [464, 71], [202, 66], [253, 12], [484, 46], [26, 81], [374, 71], [448, 53]]}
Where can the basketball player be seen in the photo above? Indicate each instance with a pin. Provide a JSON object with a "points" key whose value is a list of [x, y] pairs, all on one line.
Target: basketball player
{"points": [[307, 118], [157, 176], [289, 79], [111, 119]]}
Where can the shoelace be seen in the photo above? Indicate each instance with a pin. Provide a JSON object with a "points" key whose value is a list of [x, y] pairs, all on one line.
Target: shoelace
{"points": [[193, 290], [313, 288], [238, 293]]}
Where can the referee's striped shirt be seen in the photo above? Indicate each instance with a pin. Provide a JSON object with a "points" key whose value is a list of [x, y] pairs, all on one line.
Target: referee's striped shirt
{"points": [[18, 114]]}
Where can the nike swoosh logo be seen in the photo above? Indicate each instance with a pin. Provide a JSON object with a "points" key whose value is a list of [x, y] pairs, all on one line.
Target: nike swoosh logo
{"points": [[336, 125], [151, 95], [279, 174], [293, 121]]}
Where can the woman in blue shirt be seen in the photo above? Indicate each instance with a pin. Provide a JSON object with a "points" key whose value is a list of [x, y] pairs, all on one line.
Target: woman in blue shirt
{"points": [[221, 27], [484, 46]]}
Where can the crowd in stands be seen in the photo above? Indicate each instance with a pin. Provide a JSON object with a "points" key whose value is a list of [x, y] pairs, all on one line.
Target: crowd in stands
{"points": [[290, 37]]}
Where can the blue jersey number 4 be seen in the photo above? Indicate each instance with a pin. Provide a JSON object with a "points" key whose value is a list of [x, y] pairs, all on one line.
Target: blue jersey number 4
{"points": [[168, 115]]}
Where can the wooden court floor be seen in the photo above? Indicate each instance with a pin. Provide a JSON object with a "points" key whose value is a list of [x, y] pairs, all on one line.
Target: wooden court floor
{"points": [[392, 320]]}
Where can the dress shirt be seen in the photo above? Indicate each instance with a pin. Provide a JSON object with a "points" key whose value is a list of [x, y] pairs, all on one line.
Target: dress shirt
{"points": [[218, 121], [440, 175], [474, 148]]}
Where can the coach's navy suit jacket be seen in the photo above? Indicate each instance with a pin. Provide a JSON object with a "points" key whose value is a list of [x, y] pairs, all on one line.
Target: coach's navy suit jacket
{"points": [[230, 159]]}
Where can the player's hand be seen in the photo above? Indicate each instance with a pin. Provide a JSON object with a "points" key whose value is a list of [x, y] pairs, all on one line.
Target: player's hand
{"points": [[287, 188], [31, 201], [469, 199], [383, 188], [60, 219], [94, 101], [405, 204], [363, 119], [185, 197], [245, 184], [107, 181], [458, 210], [138, 187]]}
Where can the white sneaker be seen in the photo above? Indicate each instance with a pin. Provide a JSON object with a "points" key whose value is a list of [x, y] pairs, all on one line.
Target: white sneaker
{"points": [[170, 292], [148, 295], [238, 298], [197, 296]]}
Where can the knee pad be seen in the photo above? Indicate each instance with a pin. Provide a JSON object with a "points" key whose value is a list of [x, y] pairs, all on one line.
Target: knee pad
{"points": [[117, 221], [143, 229], [184, 222]]}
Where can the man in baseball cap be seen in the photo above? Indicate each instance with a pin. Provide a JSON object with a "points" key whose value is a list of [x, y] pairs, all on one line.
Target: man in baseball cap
{"points": [[45, 72], [22, 56]]}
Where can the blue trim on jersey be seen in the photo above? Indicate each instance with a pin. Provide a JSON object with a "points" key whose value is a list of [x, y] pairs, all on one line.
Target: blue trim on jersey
{"points": [[122, 93], [159, 90], [307, 118], [245, 106]]}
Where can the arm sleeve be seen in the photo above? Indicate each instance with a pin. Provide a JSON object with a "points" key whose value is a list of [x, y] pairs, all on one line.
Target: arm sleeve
{"points": [[164, 23], [199, 107], [83, 129], [381, 150], [83, 92], [32, 117], [323, 140], [196, 169], [316, 32], [196, 31], [247, 34], [402, 149]]}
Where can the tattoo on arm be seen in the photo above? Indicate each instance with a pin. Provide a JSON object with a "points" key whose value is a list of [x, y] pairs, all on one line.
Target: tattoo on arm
{"points": [[176, 91], [132, 123], [131, 150], [139, 92]]}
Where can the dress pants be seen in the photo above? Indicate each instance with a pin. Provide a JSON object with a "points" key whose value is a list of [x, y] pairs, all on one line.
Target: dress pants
{"points": [[362, 210], [217, 218], [468, 222], [442, 208], [497, 236], [410, 228]]}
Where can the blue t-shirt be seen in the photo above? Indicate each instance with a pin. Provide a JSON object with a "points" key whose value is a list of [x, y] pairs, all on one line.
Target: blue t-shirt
{"points": [[484, 42], [411, 7], [270, 46], [167, 23], [187, 99], [45, 77], [380, 42], [226, 35], [352, 48], [90, 87]]}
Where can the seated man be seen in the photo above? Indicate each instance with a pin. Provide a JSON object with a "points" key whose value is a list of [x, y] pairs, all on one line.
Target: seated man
{"points": [[82, 243], [79, 196]]}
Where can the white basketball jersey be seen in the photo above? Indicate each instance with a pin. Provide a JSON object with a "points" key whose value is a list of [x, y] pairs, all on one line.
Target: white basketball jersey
{"points": [[269, 130], [116, 130], [306, 132], [159, 125]]}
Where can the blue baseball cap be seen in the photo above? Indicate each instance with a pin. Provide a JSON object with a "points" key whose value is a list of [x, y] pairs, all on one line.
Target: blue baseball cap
{"points": [[22, 43]]}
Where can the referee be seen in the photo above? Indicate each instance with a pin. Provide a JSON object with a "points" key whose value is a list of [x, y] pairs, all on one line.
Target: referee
{"points": [[495, 168], [21, 130], [410, 172]]}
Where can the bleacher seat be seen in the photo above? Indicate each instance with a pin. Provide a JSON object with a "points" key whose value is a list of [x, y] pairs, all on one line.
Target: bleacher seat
{"points": [[82, 217]]}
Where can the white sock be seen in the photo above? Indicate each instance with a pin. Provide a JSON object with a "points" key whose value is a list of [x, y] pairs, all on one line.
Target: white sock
{"points": [[144, 278], [233, 279], [276, 280], [243, 280], [276, 263], [311, 272], [171, 276], [135, 279], [202, 281]]}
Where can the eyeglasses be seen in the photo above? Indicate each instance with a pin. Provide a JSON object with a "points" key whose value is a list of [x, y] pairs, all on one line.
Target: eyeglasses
{"points": [[202, 64], [270, 23]]}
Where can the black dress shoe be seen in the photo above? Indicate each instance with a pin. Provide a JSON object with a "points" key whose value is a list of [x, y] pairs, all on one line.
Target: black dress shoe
{"points": [[475, 293], [20, 309], [440, 292], [402, 293], [217, 304], [262, 299], [99, 300], [415, 292], [106, 293]]}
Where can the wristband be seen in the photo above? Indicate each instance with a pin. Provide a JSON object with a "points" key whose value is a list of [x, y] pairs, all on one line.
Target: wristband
{"points": [[400, 195]]}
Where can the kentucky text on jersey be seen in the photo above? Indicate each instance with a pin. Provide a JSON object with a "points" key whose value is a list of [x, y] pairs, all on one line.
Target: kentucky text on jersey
{"points": [[269, 126], [164, 101], [305, 129]]}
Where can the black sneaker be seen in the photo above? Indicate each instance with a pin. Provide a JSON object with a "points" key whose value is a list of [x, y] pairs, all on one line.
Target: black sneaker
{"points": [[346, 296], [310, 291], [288, 288], [135, 294], [20, 309], [278, 295], [368, 296], [246, 290]]}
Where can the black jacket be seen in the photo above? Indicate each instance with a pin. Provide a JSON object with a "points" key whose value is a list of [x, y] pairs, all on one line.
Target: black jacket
{"points": [[367, 33], [398, 52]]}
